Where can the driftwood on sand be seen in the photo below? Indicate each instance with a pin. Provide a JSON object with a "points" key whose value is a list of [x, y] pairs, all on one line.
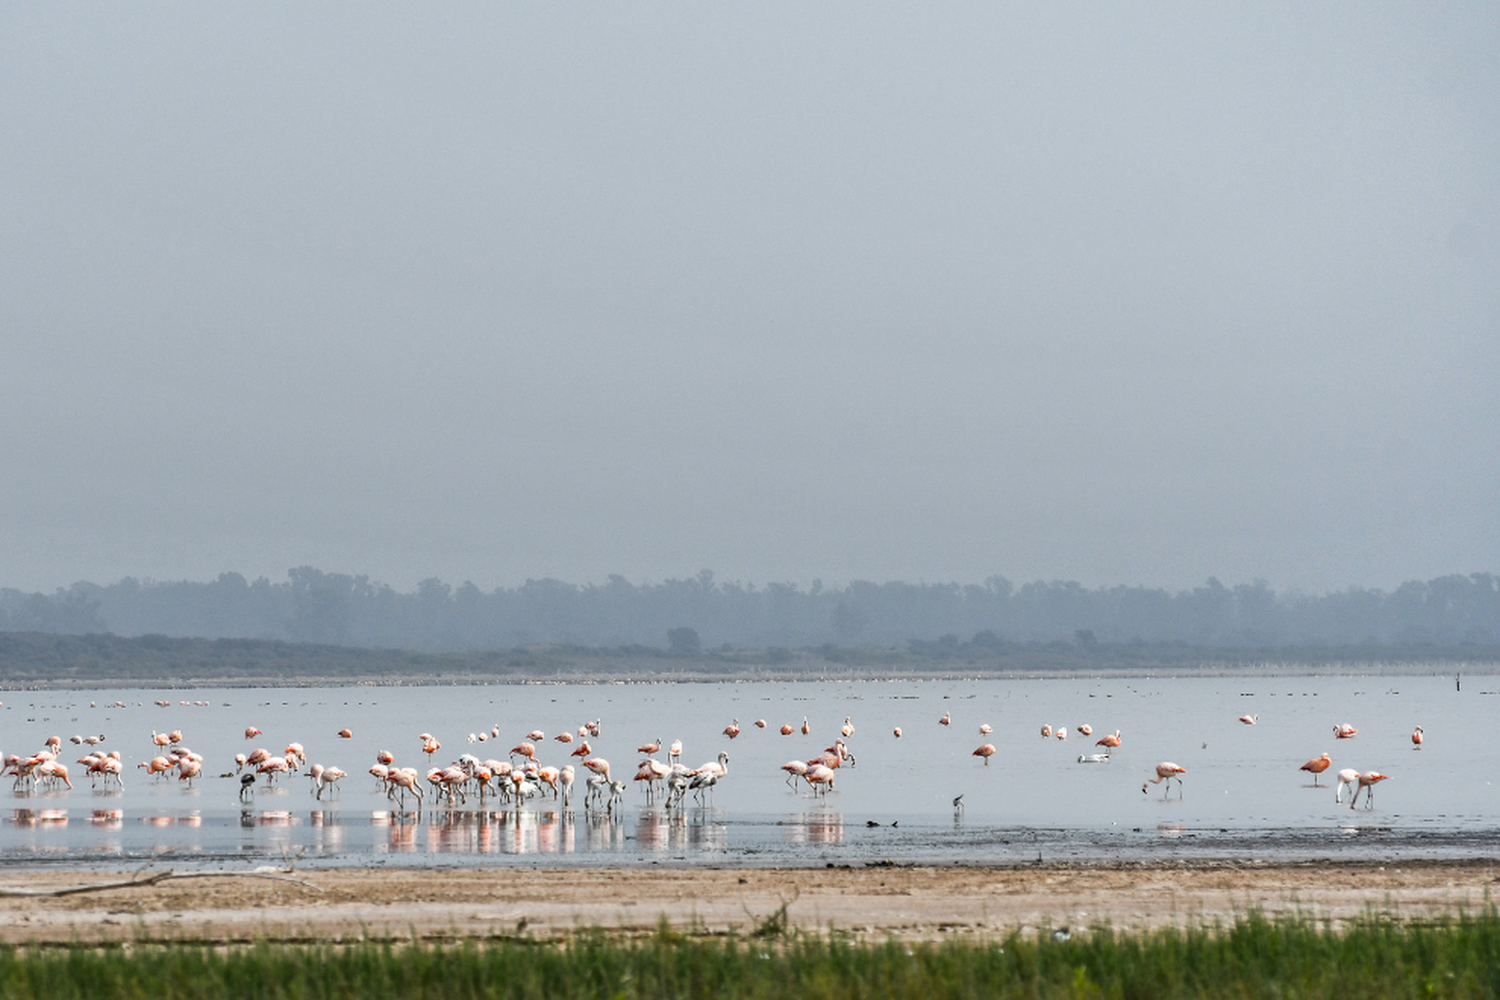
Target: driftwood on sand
{"points": [[143, 878]]}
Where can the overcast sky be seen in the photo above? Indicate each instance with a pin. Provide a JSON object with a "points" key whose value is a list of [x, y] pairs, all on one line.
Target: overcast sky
{"points": [[1122, 294]]}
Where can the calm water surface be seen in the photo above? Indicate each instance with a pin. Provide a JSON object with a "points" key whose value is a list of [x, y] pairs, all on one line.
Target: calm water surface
{"points": [[1243, 796]]}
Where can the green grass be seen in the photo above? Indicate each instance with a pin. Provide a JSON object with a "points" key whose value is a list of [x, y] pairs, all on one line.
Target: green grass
{"points": [[1256, 957]]}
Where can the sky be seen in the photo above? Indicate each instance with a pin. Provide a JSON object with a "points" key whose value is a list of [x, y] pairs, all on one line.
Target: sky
{"points": [[844, 291]]}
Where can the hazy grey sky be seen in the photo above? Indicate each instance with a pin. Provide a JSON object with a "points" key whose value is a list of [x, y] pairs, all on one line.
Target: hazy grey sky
{"points": [[1116, 293]]}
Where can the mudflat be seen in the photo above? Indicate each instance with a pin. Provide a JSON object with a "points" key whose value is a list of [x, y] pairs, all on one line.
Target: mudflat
{"points": [[880, 901]]}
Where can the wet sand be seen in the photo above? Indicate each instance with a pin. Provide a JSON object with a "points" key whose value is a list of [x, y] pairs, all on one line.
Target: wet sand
{"points": [[878, 902]]}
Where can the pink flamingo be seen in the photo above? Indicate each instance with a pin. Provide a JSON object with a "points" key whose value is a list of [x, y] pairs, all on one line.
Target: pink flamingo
{"points": [[1168, 772]]}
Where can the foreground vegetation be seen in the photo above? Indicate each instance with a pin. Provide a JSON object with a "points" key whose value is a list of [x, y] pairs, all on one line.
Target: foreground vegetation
{"points": [[1256, 957]]}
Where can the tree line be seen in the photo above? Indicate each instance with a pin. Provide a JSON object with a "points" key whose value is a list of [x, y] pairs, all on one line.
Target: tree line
{"points": [[702, 614]]}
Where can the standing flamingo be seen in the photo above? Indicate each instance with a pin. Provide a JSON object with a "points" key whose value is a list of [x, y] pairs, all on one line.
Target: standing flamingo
{"points": [[985, 729], [805, 727], [1348, 776], [986, 751], [1367, 782], [1317, 766], [1250, 720], [1109, 741], [1168, 772], [1344, 731], [847, 730], [946, 720], [1416, 738], [733, 729]]}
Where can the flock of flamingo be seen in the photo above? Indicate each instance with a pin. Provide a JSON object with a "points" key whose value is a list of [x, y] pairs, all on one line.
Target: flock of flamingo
{"points": [[521, 775]]}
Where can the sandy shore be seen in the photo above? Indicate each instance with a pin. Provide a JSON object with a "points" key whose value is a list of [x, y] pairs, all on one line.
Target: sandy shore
{"points": [[902, 901]]}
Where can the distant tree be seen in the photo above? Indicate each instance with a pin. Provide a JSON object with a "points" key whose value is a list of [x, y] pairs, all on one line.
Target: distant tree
{"points": [[684, 641], [848, 622]]}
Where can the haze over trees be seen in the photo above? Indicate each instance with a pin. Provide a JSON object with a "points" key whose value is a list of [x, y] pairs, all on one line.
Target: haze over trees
{"points": [[702, 613]]}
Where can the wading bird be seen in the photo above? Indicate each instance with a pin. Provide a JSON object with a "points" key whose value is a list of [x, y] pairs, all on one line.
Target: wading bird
{"points": [[1317, 766], [1168, 772]]}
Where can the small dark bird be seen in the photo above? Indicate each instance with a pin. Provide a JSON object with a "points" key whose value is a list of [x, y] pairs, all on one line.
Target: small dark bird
{"points": [[871, 822], [247, 785]]}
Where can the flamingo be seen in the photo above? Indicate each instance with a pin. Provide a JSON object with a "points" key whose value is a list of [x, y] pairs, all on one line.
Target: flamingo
{"points": [[1348, 776], [327, 781], [1061, 732], [847, 729], [707, 776], [1085, 730], [345, 734], [525, 749], [819, 776], [1367, 782], [805, 727], [986, 751], [733, 729], [786, 729], [896, 732], [650, 748], [536, 736], [1250, 720], [946, 720], [1046, 732], [583, 750], [794, 769], [1344, 731], [1168, 772], [565, 780], [1416, 738], [674, 752], [250, 732], [1317, 766], [563, 737], [760, 723], [1109, 741], [985, 729]]}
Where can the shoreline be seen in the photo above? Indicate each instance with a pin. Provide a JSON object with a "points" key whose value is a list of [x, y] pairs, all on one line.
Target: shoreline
{"points": [[1478, 670], [876, 902]]}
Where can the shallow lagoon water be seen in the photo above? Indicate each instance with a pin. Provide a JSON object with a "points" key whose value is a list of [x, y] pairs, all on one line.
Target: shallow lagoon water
{"points": [[1243, 797]]}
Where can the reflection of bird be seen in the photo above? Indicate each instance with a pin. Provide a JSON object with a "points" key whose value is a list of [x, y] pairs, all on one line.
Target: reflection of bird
{"points": [[1250, 720], [1317, 766], [986, 751], [1367, 782], [1166, 771], [1416, 738]]}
